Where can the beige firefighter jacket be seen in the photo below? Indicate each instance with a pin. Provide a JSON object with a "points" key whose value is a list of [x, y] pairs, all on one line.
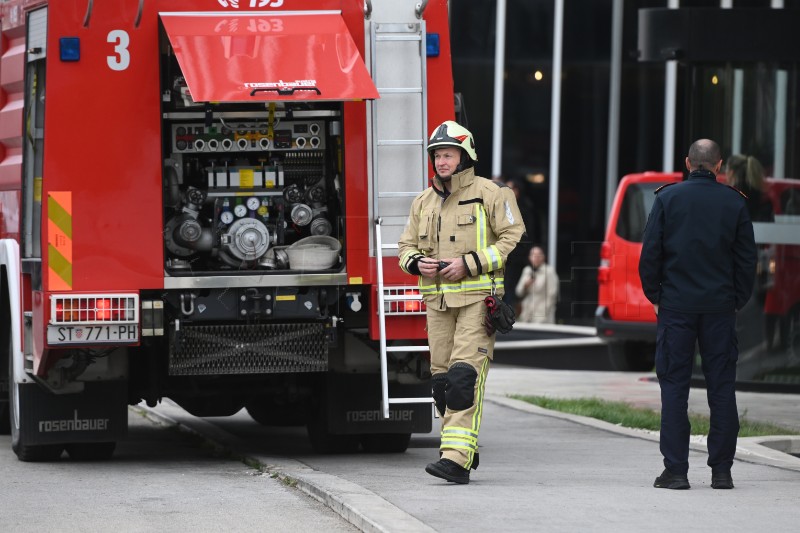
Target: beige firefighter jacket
{"points": [[478, 221]]}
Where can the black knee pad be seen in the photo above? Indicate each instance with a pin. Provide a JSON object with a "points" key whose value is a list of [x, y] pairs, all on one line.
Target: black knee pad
{"points": [[460, 392], [439, 385]]}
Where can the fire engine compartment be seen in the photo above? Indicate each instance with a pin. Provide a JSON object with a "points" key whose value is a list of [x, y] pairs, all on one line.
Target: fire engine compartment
{"points": [[250, 187]]}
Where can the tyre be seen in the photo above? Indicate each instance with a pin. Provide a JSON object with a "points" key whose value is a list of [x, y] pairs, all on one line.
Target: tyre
{"points": [[5, 395], [90, 451], [325, 442], [5, 417], [210, 406], [269, 413], [385, 442], [5, 333], [25, 452], [632, 356]]}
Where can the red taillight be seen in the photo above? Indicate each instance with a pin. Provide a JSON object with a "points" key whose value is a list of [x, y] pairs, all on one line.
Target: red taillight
{"points": [[412, 306], [103, 306], [67, 312], [93, 308], [604, 271], [605, 251], [404, 301]]}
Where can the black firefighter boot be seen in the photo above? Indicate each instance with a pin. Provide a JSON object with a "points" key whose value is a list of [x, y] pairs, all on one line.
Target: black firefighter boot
{"points": [[449, 470]]}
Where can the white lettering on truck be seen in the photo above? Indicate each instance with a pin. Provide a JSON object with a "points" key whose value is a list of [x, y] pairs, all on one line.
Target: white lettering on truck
{"points": [[375, 416], [73, 424]]}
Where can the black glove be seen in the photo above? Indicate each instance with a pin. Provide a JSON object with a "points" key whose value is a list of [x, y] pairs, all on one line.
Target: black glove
{"points": [[499, 316]]}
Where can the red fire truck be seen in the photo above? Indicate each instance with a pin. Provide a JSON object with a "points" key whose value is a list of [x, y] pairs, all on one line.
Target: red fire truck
{"points": [[198, 201]]}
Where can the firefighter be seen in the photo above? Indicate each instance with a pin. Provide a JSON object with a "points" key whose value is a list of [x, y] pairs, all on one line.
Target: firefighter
{"points": [[697, 267], [459, 234]]}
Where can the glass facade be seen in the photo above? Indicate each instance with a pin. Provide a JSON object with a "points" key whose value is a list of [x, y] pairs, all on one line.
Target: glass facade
{"points": [[749, 108]]}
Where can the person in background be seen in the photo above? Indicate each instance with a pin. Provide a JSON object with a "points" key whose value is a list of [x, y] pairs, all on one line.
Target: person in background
{"points": [[538, 289], [746, 174], [697, 268]]}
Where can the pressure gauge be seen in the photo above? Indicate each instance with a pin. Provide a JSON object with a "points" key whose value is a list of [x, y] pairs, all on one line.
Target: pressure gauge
{"points": [[226, 217], [240, 210], [253, 203]]}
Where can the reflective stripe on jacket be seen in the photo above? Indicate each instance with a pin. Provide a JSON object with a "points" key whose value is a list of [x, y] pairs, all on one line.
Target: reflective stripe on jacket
{"points": [[478, 221]]}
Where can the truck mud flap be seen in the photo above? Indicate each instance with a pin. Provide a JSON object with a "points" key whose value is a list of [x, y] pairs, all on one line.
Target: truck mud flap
{"points": [[98, 414], [354, 406]]}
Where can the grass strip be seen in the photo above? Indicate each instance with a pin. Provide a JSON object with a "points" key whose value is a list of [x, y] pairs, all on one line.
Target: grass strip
{"points": [[626, 415]]}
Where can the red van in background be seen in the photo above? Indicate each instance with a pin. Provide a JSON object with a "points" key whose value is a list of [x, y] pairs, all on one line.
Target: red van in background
{"points": [[625, 319]]}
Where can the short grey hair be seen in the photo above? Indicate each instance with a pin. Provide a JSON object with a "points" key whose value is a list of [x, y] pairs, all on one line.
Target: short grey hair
{"points": [[704, 154]]}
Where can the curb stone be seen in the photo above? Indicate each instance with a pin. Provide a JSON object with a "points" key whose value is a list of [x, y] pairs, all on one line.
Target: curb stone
{"points": [[357, 505]]}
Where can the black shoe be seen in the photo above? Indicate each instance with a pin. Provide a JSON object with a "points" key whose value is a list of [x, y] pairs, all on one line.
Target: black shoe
{"points": [[668, 480], [721, 480], [447, 469]]}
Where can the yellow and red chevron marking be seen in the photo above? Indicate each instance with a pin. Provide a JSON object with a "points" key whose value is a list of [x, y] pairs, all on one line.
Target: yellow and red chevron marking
{"points": [[59, 240]]}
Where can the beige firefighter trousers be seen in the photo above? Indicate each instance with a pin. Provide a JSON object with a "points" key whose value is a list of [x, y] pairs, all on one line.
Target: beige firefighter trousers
{"points": [[460, 355]]}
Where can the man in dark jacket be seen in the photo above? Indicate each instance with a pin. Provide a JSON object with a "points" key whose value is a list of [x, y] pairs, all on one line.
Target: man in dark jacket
{"points": [[697, 268]]}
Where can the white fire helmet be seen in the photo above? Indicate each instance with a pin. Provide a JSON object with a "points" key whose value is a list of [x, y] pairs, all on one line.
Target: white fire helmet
{"points": [[450, 133]]}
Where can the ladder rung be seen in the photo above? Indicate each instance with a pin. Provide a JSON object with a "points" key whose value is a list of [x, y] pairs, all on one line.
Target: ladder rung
{"points": [[398, 194], [410, 400], [399, 142], [398, 221], [400, 90], [398, 37], [407, 348]]}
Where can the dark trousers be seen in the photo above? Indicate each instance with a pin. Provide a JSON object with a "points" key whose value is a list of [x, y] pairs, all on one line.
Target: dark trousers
{"points": [[716, 335]]}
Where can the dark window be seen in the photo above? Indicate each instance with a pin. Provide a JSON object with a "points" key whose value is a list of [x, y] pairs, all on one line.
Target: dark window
{"points": [[636, 207]]}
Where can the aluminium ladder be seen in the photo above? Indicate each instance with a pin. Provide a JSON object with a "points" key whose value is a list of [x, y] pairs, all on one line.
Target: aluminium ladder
{"points": [[399, 134], [386, 401]]}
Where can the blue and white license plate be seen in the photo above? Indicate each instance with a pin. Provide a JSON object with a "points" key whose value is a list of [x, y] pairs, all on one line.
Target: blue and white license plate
{"points": [[96, 334]]}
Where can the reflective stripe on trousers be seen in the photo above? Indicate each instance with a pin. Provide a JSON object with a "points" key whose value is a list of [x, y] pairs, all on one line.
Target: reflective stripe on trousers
{"points": [[457, 335]]}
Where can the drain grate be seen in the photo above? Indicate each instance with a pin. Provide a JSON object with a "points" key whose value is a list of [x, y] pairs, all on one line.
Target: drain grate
{"points": [[248, 349]]}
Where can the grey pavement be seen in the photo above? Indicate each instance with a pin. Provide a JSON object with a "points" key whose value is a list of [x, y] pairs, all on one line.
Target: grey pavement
{"points": [[642, 390], [541, 470]]}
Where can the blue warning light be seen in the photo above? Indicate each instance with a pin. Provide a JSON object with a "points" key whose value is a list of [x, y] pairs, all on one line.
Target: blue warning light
{"points": [[69, 48]]}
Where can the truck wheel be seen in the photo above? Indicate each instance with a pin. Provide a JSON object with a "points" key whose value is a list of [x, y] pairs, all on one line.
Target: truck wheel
{"points": [[385, 442], [5, 333], [269, 413], [5, 411], [90, 451], [209, 406], [632, 356], [27, 453], [325, 442]]}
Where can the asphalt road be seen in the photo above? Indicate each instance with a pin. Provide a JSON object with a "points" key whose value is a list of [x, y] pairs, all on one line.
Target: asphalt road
{"points": [[160, 480], [538, 473]]}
